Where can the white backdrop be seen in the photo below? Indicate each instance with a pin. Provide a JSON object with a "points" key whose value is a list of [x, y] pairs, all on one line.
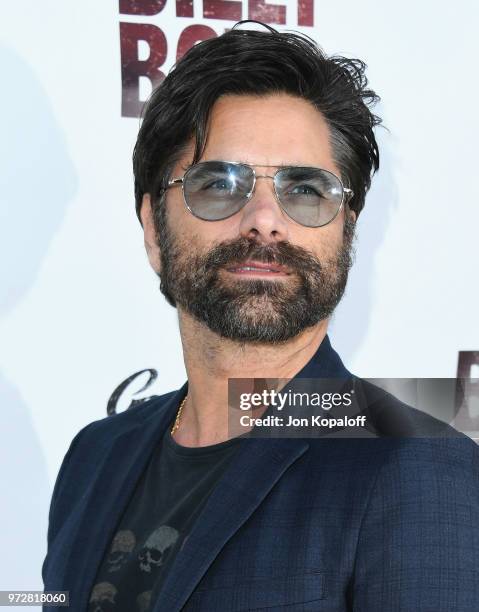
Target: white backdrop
{"points": [[80, 306]]}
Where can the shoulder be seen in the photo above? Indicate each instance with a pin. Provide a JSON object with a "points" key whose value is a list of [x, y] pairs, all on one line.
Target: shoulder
{"points": [[435, 468], [418, 461], [108, 428], [92, 444], [417, 479], [90, 448], [423, 470]]}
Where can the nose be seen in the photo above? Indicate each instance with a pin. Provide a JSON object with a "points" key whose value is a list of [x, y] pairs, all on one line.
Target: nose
{"points": [[262, 218]]}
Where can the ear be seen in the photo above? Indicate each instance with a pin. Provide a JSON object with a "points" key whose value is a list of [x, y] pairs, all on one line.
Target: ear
{"points": [[151, 244]]}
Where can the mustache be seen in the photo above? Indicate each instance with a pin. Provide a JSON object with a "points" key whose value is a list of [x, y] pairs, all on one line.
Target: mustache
{"points": [[282, 253]]}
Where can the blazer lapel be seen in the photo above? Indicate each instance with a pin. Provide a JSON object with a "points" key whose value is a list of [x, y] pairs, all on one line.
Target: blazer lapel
{"points": [[107, 497], [255, 469]]}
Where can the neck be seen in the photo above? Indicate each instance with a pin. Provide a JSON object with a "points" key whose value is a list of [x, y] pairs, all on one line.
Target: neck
{"points": [[210, 360]]}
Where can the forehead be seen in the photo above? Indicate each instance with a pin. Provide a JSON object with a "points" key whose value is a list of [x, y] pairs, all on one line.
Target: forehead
{"points": [[273, 130]]}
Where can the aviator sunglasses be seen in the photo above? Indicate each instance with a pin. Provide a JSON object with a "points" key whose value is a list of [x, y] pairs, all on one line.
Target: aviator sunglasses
{"points": [[216, 190]]}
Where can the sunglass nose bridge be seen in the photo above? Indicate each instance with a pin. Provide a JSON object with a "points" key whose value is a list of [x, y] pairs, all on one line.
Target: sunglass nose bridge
{"points": [[257, 176]]}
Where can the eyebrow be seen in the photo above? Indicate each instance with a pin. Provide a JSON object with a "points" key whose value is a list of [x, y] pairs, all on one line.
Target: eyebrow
{"points": [[280, 165], [248, 163]]}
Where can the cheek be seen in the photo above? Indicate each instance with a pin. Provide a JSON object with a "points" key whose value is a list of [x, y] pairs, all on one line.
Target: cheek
{"points": [[199, 234], [322, 242]]}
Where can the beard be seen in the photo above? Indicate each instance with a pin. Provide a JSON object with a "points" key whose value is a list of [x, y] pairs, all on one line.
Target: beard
{"points": [[248, 309]]}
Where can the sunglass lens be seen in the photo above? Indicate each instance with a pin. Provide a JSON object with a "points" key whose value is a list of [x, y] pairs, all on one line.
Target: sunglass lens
{"points": [[310, 196], [216, 190]]}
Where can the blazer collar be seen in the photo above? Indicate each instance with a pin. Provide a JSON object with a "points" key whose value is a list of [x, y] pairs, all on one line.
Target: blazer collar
{"points": [[325, 363]]}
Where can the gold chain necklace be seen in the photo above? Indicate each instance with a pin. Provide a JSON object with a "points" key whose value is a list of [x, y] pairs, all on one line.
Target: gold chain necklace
{"points": [[178, 415]]}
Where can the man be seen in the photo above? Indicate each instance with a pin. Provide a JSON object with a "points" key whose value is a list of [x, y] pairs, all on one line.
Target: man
{"points": [[251, 166]]}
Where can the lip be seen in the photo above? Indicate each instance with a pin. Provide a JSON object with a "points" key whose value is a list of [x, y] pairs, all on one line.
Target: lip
{"points": [[258, 268]]}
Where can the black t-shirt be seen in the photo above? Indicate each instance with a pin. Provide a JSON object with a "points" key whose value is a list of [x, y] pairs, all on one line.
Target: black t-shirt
{"points": [[167, 499]]}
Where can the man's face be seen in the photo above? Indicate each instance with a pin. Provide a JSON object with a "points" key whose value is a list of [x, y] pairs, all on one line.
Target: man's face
{"points": [[208, 267]]}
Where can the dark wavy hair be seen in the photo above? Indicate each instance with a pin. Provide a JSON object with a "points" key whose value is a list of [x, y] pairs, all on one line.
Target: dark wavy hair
{"points": [[242, 62]]}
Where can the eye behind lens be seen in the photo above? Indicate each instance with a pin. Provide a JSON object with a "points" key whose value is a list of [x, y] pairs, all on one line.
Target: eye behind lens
{"points": [[215, 190], [310, 196]]}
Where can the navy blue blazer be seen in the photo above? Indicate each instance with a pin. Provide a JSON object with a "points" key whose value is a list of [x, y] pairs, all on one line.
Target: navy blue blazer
{"points": [[380, 524]]}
